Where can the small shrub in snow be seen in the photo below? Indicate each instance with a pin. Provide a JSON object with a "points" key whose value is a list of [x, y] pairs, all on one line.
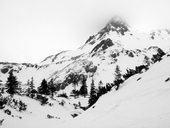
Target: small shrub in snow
{"points": [[75, 93], [131, 54], [22, 106], [42, 99], [20, 117], [76, 106], [64, 95], [3, 102], [62, 103], [167, 79], [74, 115], [49, 116], [18, 105], [140, 68], [7, 111]]}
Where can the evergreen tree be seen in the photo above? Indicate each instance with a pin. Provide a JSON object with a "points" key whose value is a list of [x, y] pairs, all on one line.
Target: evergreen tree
{"points": [[32, 83], [44, 89], [52, 87], [73, 78], [101, 91], [156, 58], [130, 72], [31, 88], [28, 82], [83, 89], [147, 60], [12, 83], [118, 79], [117, 73], [108, 87], [100, 83], [93, 94]]}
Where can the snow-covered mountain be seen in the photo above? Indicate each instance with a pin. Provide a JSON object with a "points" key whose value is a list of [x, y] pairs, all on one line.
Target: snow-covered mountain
{"points": [[115, 38], [96, 60]]}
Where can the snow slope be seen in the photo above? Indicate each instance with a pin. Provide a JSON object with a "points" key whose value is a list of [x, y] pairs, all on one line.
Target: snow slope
{"points": [[139, 103], [36, 115]]}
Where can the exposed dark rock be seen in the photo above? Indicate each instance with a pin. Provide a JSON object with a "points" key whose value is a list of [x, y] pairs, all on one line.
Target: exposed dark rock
{"points": [[167, 79], [104, 44], [4, 70]]}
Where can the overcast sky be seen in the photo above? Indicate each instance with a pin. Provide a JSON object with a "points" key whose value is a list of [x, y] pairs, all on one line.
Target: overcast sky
{"points": [[31, 30]]}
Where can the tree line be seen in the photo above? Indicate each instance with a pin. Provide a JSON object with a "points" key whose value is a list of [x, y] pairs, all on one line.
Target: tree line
{"points": [[49, 87]]}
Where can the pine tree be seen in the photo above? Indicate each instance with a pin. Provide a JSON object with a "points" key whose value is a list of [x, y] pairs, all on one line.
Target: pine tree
{"points": [[147, 61], [44, 89], [93, 94], [108, 87], [52, 87], [117, 73], [118, 79], [31, 88], [12, 84], [28, 82], [130, 72], [75, 80], [100, 83], [83, 89], [32, 83]]}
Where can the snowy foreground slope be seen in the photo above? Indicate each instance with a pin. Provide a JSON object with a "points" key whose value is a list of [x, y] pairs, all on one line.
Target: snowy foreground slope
{"points": [[142, 102]]}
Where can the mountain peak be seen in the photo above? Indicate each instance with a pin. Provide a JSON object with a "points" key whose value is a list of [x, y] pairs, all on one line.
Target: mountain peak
{"points": [[116, 21], [117, 24]]}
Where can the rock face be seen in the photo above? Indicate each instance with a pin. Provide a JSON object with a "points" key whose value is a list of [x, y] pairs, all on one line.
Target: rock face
{"points": [[103, 45]]}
